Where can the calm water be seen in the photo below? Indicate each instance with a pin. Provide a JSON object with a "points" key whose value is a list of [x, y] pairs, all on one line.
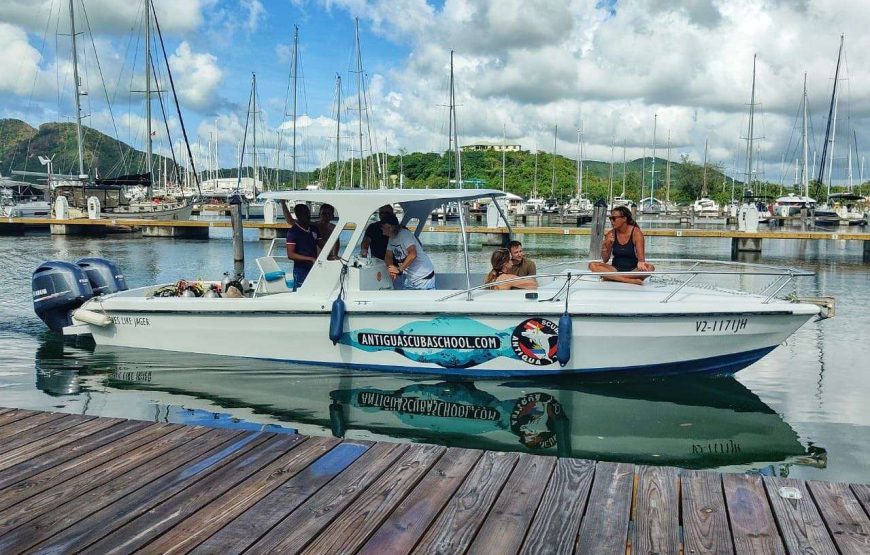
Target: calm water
{"points": [[800, 411]]}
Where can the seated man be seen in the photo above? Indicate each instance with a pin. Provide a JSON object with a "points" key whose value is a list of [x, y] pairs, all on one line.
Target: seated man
{"points": [[302, 246], [522, 266], [405, 256], [374, 238], [500, 275]]}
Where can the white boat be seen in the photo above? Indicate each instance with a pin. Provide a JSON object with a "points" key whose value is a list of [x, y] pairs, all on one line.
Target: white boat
{"points": [[574, 323], [792, 205], [706, 208], [581, 205], [620, 201], [534, 205]]}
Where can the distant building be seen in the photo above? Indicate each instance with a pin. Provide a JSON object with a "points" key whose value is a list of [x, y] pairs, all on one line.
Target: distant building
{"points": [[495, 147]]}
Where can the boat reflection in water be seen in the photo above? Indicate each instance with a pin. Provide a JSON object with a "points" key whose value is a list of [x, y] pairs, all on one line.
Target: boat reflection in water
{"points": [[692, 423]]}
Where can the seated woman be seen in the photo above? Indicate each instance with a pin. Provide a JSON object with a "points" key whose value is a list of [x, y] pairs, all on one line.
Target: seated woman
{"points": [[625, 243], [501, 264]]}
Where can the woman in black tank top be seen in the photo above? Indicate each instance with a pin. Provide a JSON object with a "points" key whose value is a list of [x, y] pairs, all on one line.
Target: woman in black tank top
{"points": [[625, 244]]}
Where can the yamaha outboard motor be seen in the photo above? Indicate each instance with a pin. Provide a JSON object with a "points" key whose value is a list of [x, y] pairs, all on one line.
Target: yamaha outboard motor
{"points": [[104, 275], [59, 288]]}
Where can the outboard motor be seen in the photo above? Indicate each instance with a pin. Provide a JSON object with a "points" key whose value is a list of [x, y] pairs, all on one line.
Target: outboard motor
{"points": [[104, 275], [59, 288]]}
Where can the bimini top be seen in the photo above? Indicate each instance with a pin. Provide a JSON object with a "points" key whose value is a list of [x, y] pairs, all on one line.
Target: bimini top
{"points": [[368, 200]]}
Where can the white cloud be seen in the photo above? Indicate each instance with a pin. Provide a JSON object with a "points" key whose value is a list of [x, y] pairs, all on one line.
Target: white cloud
{"points": [[197, 77]]}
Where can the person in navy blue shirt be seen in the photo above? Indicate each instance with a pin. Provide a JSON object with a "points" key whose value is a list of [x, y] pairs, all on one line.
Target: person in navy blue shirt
{"points": [[302, 246]]}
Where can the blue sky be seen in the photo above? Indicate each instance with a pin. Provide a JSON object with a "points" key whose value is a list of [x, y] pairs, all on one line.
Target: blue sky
{"points": [[521, 65]]}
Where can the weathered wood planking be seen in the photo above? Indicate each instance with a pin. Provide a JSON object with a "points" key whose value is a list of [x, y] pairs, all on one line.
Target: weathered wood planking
{"points": [[505, 528], [844, 516], [557, 522], [752, 526], [657, 511], [410, 520], [269, 511], [92, 485], [605, 525], [800, 524], [705, 518], [455, 528]]}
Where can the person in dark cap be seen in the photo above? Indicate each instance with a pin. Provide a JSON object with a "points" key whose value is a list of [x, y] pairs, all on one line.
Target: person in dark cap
{"points": [[405, 256], [374, 239]]}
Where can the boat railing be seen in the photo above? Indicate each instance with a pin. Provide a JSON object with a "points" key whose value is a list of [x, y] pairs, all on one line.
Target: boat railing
{"points": [[783, 277]]}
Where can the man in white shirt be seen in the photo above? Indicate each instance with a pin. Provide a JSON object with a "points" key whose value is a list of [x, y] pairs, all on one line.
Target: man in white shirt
{"points": [[405, 256]]}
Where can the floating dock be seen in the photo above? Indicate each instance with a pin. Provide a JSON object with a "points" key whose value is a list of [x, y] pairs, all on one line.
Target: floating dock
{"points": [[71, 483]]}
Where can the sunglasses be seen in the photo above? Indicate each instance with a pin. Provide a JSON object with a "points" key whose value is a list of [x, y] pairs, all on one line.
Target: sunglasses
{"points": [[614, 218]]}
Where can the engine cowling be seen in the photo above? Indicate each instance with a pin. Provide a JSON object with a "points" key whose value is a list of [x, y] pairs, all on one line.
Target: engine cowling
{"points": [[59, 288], [104, 275]]}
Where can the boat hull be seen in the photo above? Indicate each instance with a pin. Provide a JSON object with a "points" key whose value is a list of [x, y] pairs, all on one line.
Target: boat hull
{"points": [[467, 345]]}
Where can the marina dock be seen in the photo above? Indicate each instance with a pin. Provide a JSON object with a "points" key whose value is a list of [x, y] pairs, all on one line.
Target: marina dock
{"points": [[741, 241], [72, 483]]}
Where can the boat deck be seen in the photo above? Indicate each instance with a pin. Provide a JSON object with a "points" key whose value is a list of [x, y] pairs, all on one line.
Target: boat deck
{"points": [[71, 483]]}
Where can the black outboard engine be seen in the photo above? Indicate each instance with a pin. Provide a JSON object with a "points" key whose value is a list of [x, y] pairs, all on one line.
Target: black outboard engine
{"points": [[59, 288], [104, 275]]}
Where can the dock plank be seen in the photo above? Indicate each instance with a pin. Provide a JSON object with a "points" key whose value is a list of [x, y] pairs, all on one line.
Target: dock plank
{"points": [[244, 530], [67, 511], [455, 528], [753, 528], [45, 435], [108, 519], [13, 415], [140, 531], [556, 524], [79, 446], [76, 431], [605, 525], [292, 534], [83, 463], [12, 435], [28, 506], [409, 521], [657, 511], [505, 527], [862, 493], [842, 512], [800, 524], [705, 517], [362, 517], [211, 518]]}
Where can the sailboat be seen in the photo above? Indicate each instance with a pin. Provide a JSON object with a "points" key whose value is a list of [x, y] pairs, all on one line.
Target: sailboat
{"points": [[20, 199], [705, 207], [652, 205], [579, 203], [551, 205], [112, 195]]}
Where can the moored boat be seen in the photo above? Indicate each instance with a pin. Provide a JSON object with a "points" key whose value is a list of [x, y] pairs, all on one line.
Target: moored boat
{"points": [[569, 325]]}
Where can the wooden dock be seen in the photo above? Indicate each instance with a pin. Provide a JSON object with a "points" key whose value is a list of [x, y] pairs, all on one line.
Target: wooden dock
{"points": [[83, 484]]}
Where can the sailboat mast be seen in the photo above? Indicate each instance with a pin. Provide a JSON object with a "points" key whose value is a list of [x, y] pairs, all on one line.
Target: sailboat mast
{"points": [[295, 89], [652, 186], [148, 153], [77, 85], [611, 173], [503, 153], [458, 159], [668, 173], [749, 136], [338, 131], [829, 140], [553, 179], [805, 182], [254, 104], [624, 175], [579, 162], [704, 192], [359, 85], [836, 101]]}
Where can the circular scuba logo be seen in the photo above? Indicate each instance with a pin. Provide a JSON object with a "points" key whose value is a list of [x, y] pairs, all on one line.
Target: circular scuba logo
{"points": [[533, 419], [535, 341]]}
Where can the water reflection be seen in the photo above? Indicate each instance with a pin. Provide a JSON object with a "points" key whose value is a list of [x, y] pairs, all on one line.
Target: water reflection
{"points": [[693, 423]]}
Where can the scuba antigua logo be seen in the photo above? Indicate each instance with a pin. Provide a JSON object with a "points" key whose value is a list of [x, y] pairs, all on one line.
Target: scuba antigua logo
{"points": [[535, 341], [533, 419]]}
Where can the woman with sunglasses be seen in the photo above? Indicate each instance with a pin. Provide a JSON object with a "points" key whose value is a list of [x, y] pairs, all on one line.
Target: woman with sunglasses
{"points": [[625, 243], [501, 266]]}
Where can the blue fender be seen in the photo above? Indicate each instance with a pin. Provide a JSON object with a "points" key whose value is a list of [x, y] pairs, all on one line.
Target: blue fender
{"points": [[563, 347], [336, 320]]}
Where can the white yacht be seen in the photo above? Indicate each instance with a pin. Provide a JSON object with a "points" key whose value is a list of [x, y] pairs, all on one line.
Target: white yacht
{"points": [[792, 204], [706, 208], [349, 313]]}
